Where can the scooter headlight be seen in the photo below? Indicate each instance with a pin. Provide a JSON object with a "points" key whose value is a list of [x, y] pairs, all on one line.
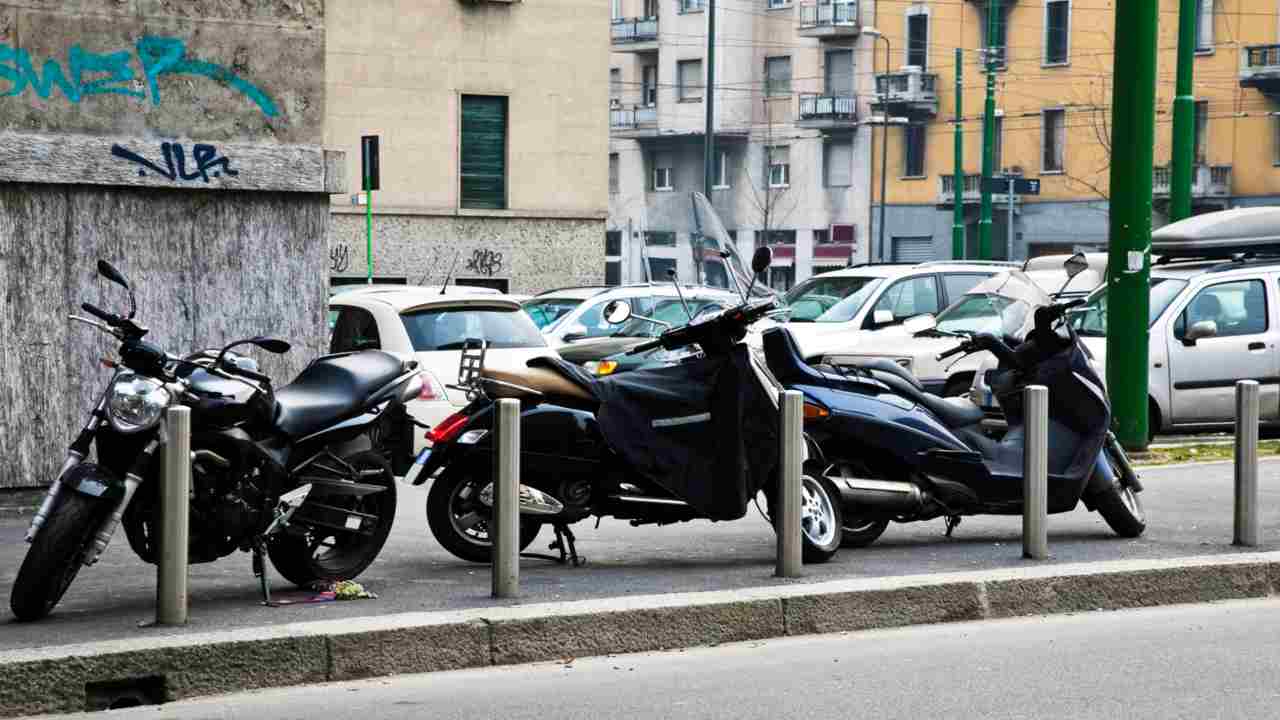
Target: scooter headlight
{"points": [[136, 402]]}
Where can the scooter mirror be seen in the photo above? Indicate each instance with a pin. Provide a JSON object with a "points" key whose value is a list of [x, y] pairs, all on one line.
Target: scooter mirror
{"points": [[109, 271], [272, 345], [617, 312], [1075, 265], [761, 260]]}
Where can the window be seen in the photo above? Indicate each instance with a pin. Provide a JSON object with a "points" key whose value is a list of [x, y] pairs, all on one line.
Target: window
{"points": [[775, 4], [838, 73], [777, 76], [649, 85], [613, 243], [612, 273], [722, 169], [779, 237], [613, 173], [822, 237], [1237, 308], [906, 299], [842, 234], [1202, 130], [1204, 25], [651, 8], [837, 162], [957, 284], [662, 173], [830, 299], [782, 278], [779, 166], [658, 268], [615, 9], [1091, 320], [689, 6], [659, 238], [689, 80], [615, 86], [484, 152], [997, 155], [448, 328], [913, 141], [1275, 140], [998, 43], [918, 39], [1057, 31], [545, 311], [355, 329], [1054, 138]]}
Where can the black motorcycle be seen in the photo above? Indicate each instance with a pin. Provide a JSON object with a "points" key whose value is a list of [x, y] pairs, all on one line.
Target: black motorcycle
{"points": [[898, 453], [292, 473], [695, 439]]}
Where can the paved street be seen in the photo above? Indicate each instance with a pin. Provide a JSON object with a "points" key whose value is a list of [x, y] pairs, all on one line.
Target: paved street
{"points": [[1191, 661], [1189, 509]]}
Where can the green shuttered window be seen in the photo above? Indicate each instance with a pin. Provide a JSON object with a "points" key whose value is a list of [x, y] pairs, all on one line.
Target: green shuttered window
{"points": [[484, 152]]}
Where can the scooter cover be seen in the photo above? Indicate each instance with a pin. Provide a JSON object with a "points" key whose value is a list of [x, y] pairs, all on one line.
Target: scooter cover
{"points": [[703, 430]]}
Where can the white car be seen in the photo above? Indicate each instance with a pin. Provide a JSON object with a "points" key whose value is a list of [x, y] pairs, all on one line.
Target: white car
{"points": [[547, 308], [586, 320], [431, 328]]}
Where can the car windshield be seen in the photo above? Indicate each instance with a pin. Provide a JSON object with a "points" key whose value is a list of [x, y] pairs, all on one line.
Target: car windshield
{"points": [[449, 327], [829, 299], [1091, 320], [546, 311], [670, 312], [984, 313]]}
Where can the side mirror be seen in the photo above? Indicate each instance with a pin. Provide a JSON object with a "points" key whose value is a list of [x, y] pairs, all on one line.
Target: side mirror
{"points": [[1075, 265], [109, 271], [615, 313], [272, 345], [882, 317], [919, 323], [577, 332], [762, 259], [1199, 331]]}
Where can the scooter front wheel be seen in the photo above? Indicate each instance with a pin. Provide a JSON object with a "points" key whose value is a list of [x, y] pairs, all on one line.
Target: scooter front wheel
{"points": [[1122, 510], [821, 518]]}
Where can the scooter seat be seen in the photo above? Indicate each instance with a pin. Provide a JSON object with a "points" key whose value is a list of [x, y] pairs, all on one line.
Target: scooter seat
{"points": [[955, 412], [333, 388], [886, 365], [548, 378]]}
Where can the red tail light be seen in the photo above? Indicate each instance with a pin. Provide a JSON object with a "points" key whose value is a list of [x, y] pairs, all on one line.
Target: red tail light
{"points": [[448, 428]]}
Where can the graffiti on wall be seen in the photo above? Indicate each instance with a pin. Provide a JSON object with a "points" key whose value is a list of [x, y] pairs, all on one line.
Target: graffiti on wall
{"points": [[339, 258], [485, 262], [205, 159], [134, 73]]}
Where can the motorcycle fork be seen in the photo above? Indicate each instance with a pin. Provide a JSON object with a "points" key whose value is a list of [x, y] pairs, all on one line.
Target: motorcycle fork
{"points": [[131, 482], [76, 454]]}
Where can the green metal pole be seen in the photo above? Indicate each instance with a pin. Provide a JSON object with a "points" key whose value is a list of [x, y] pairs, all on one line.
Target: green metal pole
{"points": [[988, 134], [1183, 158], [957, 217], [368, 231], [1133, 97]]}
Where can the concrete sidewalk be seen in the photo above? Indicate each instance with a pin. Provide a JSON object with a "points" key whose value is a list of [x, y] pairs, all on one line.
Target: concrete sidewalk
{"points": [[434, 611]]}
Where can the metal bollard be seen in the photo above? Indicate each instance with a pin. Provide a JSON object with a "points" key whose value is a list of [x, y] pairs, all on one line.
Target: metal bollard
{"points": [[788, 510], [505, 527], [1035, 473], [1246, 503], [175, 494]]}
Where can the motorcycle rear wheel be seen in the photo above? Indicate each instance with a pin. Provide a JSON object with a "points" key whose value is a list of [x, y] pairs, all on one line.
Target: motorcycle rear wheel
{"points": [[55, 556], [460, 522]]}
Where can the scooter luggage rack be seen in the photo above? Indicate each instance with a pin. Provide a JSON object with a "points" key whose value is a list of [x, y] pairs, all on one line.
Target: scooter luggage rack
{"points": [[471, 379]]}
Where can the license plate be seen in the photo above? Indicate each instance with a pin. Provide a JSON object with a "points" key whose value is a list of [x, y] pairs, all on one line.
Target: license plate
{"points": [[416, 468]]}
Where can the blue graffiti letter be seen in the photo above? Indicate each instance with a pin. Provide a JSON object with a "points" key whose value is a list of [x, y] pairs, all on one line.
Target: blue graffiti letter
{"points": [[168, 55], [159, 56], [10, 72], [115, 65], [52, 76]]}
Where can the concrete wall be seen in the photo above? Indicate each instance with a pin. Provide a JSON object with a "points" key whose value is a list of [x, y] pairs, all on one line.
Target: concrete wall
{"points": [[134, 131]]}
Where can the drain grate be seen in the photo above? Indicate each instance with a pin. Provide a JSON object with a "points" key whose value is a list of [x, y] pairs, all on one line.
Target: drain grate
{"points": [[125, 693]]}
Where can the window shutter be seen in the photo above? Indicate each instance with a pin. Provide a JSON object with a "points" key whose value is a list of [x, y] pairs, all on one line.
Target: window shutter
{"points": [[484, 152], [839, 163]]}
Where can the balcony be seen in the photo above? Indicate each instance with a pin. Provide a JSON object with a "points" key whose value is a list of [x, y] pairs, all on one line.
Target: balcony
{"points": [[827, 20], [908, 91], [1207, 182], [633, 122], [1260, 68], [634, 34], [971, 193], [826, 112]]}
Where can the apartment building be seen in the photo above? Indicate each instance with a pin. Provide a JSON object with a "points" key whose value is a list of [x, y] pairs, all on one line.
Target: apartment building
{"points": [[492, 140], [1053, 99], [792, 148]]}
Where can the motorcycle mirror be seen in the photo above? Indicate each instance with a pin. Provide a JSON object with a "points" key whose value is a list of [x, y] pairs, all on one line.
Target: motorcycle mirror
{"points": [[617, 312], [1075, 265], [109, 271], [272, 345], [761, 260]]}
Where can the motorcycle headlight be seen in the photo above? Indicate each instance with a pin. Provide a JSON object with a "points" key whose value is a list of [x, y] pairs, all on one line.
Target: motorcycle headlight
{"points": [[135, 403]]}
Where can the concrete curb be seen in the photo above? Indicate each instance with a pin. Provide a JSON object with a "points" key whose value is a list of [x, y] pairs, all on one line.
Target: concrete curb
{"points": [[54, 679]]}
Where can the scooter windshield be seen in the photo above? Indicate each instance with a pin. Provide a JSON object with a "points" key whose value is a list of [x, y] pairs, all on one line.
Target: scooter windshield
{"points": [[716, 270], [1013, 285]]}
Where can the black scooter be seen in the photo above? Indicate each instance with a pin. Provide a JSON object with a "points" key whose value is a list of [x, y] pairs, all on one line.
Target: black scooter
{"points": [[900, 454], [694, 440]]}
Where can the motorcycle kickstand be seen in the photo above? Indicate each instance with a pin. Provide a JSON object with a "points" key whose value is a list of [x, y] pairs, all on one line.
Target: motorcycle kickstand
{"points": [[260, 569], [564, 543], [953, 522]]}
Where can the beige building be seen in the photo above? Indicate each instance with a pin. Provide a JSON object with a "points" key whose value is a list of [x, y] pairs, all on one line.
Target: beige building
{"points": [[792, 92], [493, 139]]}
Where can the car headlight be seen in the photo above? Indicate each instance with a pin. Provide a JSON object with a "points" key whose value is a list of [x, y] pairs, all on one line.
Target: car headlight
{"points": [[136, 402]]}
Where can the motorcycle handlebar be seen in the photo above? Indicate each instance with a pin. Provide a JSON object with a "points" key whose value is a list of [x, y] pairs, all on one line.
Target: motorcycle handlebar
{"points": [[102, 315], [962, 347], [243, 372], [645, 347]]}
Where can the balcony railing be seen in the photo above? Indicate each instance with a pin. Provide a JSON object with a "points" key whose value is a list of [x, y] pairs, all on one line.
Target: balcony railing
{"points": [[637, 117], [911, 86], [1207, 181], [691, 6], [834, 108], [837, 14], [634, 30], [1260, 68]]}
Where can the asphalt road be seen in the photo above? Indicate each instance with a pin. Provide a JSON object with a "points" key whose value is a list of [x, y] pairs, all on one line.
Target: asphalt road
{"points": [[1189, 509], [1191, 661]]}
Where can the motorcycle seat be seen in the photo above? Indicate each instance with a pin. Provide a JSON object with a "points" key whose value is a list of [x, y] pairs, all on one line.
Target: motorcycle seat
{"points": [[548, 378], [333, 388]]}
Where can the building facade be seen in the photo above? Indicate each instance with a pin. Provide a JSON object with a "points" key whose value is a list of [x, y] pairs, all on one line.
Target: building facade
{"points": [[492, 141], [1053, 99], [791, 143]]}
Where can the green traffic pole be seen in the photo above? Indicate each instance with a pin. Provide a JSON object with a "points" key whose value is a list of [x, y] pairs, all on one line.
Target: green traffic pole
{"points": [[368, 231], [957, 218], [1133, 97], [988, 135], [1182, 160]]}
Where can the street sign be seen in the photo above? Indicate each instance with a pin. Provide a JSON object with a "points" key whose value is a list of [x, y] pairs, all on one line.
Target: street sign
{"points": [[1021, 186], [996, 185]]}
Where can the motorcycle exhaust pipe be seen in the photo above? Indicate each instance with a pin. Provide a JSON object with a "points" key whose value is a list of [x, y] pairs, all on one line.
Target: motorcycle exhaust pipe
{"points": [[881, 495]]}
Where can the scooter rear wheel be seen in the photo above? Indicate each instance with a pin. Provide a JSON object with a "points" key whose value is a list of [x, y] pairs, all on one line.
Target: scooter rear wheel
{"points": [[821, 518], [460, 522]]}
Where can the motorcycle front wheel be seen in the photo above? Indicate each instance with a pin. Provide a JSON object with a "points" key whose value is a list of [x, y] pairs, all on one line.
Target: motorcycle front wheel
{"points": [[56, 555], [460, 522]]}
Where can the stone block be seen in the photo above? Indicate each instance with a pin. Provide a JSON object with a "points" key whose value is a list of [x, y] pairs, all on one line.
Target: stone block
{"points": [[422, 649], [868, 610]]}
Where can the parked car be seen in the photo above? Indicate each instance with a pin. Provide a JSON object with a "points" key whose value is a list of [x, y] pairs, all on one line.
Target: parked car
{"points": [[431, 328], [586, 321], [547, 308], [1212, 321]]}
